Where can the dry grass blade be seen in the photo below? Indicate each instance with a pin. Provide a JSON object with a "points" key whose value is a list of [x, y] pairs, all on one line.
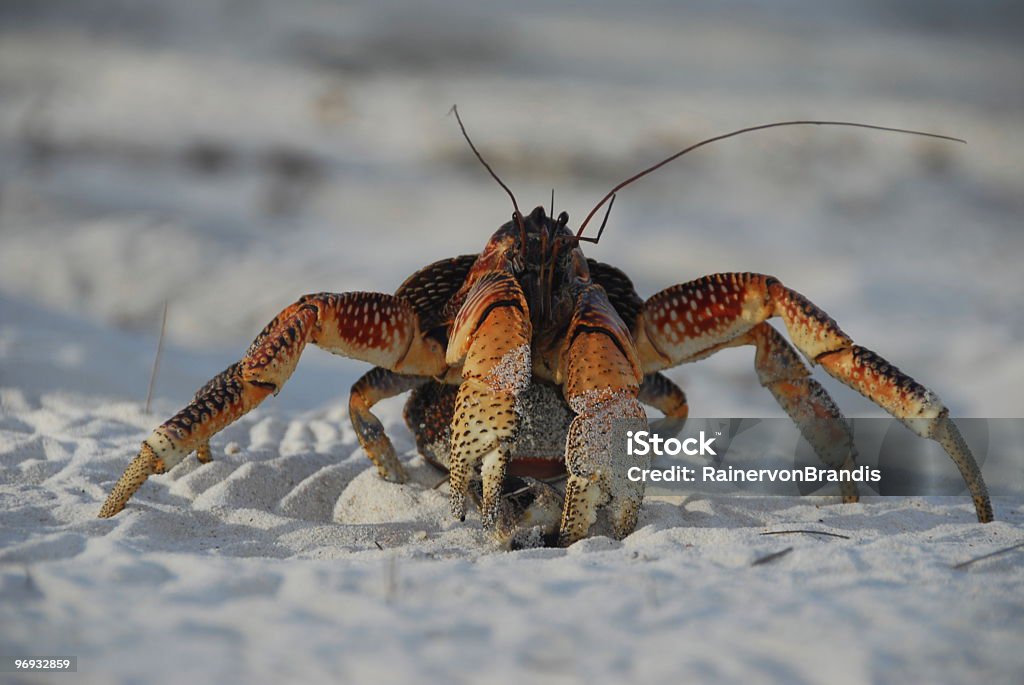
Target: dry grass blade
{"points": [[808, 532], [998, 552], [156, 360]]}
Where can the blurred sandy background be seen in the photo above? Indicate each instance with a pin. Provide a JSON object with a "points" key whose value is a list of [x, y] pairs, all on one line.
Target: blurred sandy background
{"points": [[230, 156]]}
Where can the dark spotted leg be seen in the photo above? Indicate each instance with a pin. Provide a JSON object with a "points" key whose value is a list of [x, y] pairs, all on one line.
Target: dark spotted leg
{"points": [[428, 414], [660, 392], [381, 329], [687, 322], [787, 378], [376, 385]]}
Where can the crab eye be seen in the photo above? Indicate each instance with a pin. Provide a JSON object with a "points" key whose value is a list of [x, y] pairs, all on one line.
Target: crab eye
{"points": [[563, 218]]}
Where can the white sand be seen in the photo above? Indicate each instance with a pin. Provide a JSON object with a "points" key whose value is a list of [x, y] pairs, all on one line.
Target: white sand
{"points": [[287, 559]]}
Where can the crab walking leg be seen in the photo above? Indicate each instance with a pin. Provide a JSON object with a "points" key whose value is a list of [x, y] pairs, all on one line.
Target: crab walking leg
{"points": [[376, 385], [787, 378], [660, 392], [685, 322], [223, 397], [491, 339], [601, 383], [381, 329]]}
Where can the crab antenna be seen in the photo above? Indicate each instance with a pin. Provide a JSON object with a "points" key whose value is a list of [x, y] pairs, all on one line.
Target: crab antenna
{"points": [[604, 222], [515, 206], [777, 124]]}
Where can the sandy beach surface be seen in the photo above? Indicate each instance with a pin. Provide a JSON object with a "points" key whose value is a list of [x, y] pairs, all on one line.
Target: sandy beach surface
{"points": [[226, 158]]}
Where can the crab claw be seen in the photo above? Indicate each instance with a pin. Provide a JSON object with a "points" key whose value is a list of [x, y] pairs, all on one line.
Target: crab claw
{"points": [[142, 467], [598, 469]]}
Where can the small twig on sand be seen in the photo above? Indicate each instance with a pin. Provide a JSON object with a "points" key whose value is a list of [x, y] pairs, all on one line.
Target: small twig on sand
{"points": [[156, 360], [809, 532], [771, 557], [965, 564]]}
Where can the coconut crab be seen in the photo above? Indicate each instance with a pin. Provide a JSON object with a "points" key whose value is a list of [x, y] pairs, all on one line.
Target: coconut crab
{"points": [[520, 359]]}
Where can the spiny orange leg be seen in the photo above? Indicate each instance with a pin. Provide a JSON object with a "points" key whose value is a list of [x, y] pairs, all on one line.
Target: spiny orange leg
{"points": [[223, 399], [491, 338], [601, 381], [688, 321], [381, 329], [376, 385]]}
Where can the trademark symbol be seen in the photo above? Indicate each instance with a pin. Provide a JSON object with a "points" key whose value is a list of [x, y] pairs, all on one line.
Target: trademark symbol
{"points": [[718, 433]]}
